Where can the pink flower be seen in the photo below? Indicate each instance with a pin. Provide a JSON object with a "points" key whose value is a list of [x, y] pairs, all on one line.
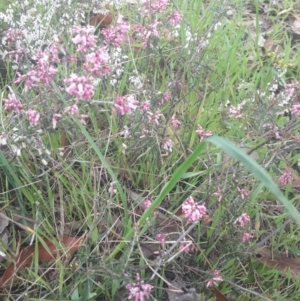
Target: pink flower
{"points": [[74, 110], [175, 123], [16, 53], [84, 39], [285, 178], [161, 238], [192, 211], [202, 133], [216, 277], [187, 247], [219, 194], [145, 106], [138, 290], [166, 96], [290, 88], [12, 103], [33, 116], [14, 35], [243, 192], [147, 204], [96, 63], [154, 117], [80, 87], [43, 72], [125, 105], [242, 219], [175, 17], [118, 34], [295, 109], [236, 111], [54, 120], [246, 236], [168, 145], [157, 5]]}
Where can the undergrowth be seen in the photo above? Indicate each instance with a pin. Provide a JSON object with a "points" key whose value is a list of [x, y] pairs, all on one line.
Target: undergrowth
{"points": [[100, 133]]}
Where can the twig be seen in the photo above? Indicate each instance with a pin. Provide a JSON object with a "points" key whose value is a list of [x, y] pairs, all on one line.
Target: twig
{"points": [[247, 290], [262, 242]]}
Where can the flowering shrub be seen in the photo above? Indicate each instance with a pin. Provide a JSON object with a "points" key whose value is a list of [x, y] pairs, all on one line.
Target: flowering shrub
{"points": [[141, 93]]}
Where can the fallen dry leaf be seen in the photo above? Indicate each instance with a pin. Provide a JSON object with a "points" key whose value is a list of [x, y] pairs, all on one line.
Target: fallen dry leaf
{"points": [[69, 245], [219, 295], [102, 19], [288, 266]]}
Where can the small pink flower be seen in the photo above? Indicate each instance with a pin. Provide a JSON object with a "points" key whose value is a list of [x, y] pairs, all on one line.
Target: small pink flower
{"points": [[16, 53], [175, 123], [295, 109], [14, 35], [285, 178], [147, 204], [80, 87], [117, 34], [168, 145], [154, 117], [192, 211], [54, 120], [145, 106], [187, 247], [242, 219], [156, 5], [175, 17], [161, 238], [13, 104], [236, 111], [291, 88], [243, 192], [202, 133], [165, 97], [125, 105], [33, 116], [246, 236], [139, 291], [96, 63], [84, 39], [216, 277], [219, 194], [74, 110]]}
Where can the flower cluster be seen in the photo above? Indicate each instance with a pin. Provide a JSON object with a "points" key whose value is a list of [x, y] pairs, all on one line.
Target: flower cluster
{"points": [[202, 133], [216, 277], [84, 39], [187, 247], [139, 291], [118, 34], [96, 63], [12, 103], [285, 178], [242, 220], [43, 72], [157, 5], [192, 211], [243, 192], [125, 105], [80, 87], [175, 17]]}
